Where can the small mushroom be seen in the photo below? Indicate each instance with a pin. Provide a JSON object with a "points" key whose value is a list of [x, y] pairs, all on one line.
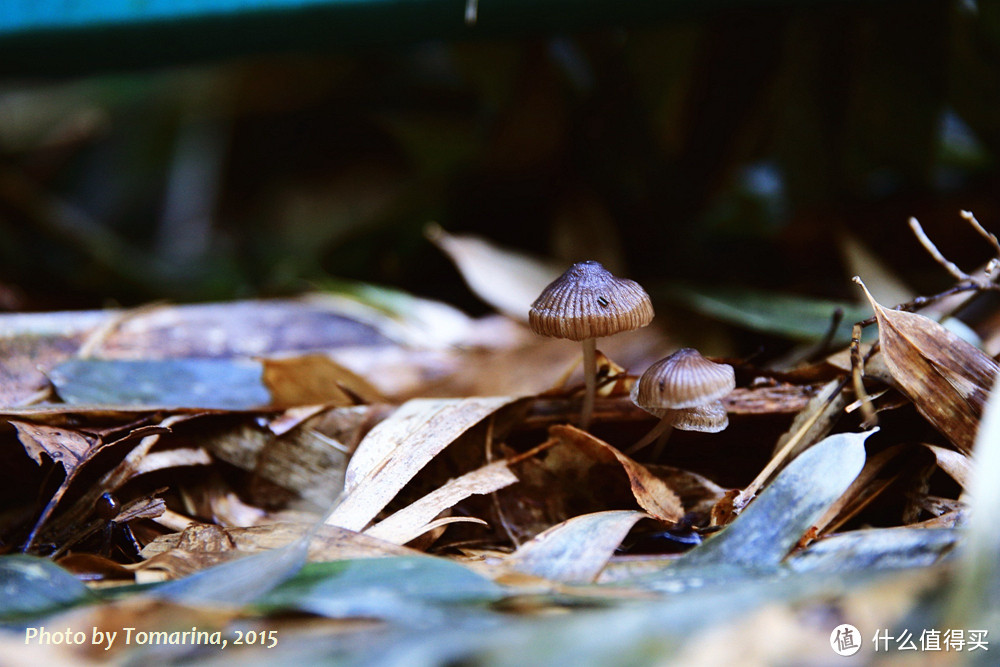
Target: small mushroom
{"points": [[683, 390], [583, 304]]}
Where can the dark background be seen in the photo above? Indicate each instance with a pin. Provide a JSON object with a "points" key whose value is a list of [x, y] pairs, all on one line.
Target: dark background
{"points": [[732, 145]]}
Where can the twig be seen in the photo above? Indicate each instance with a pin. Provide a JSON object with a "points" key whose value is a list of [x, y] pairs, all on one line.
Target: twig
{"points": [[990, 237], [857, 370], [929, 246]]}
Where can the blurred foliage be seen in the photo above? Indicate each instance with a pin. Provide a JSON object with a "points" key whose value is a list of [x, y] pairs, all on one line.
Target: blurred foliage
{"points": [[725, 148]]}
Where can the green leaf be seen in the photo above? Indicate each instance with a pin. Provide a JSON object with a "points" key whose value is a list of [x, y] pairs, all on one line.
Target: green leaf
{"points": [[790, 316], [31, 586]]}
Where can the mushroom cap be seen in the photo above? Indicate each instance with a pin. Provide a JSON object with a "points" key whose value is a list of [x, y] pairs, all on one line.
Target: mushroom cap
{"points": [[587, 301], [685, 379]]}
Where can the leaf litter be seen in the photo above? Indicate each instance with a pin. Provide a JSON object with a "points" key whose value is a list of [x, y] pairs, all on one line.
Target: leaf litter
{"points": [[274, 472]]}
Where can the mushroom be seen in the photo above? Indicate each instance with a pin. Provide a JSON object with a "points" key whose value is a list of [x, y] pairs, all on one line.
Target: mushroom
{"points": [[683, 390], [583, 304]]}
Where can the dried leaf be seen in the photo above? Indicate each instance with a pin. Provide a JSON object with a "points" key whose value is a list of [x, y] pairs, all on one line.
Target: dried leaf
{"points": [[327, 543], [109, 482], [313, 379], [651, 492], [956, 464], [507, 280], [409, 522], [172, 458], [946, 378], [399, 447], [773, 524], [876, 548], [576, 550], [408, 590], [66, 447], [222, 384], [35, 586]]}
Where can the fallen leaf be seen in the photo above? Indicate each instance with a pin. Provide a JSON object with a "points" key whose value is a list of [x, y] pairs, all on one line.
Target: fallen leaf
{"points": [[946, 378], [505, 279], [409, 590], [876, 548], [313, 379], [34, 586], [172, 458], [651, 493], [761, 537], [576, 550], [956, 464], [221, 384], [66, 447], [410, 522], [399, 447], [111, 481]]}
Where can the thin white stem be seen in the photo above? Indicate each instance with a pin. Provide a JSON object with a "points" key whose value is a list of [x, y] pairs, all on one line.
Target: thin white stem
{"points": [[590, 381], [660, 429]]}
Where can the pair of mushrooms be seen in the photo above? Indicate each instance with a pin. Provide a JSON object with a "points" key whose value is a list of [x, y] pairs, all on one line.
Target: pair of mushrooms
{"points": [[587, 302]]}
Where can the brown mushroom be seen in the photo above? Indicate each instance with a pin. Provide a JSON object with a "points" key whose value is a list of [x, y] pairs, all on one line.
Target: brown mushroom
{"points": [[583, 304], [683, 390]]}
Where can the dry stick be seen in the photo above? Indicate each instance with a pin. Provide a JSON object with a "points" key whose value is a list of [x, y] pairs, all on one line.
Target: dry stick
{"points": [[778, 459], [501, 517], [932, 250], [857, 370], [590, 381], [990, 237]]}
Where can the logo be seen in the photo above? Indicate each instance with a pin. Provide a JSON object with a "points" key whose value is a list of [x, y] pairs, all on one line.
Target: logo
{"points": [[845, 639]]}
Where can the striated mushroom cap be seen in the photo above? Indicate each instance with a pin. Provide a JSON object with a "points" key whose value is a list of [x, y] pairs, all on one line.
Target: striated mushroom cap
{"points": [[685, 379], [587, 301]]}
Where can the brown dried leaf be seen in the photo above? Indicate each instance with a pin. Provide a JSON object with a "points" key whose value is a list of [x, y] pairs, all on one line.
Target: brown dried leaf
{"points": [[328, 543], [313, 379], [398, 448], [946, 378], [697, 493], [413, 520], [110, 481], [64, 446], [651, 492], [507, 280], [172, 458], [957, 465]]}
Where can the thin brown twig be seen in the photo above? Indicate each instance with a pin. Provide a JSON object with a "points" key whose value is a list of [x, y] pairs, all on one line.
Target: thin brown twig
{"points": [[857, 370]]}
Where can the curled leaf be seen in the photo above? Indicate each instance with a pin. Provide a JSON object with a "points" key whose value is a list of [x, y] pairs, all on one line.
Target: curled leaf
{"points": [[651, 493], [946, 378]]}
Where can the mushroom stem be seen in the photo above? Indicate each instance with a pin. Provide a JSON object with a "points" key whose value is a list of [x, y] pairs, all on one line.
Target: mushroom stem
{"points": [[589, 380], [661, 429]]}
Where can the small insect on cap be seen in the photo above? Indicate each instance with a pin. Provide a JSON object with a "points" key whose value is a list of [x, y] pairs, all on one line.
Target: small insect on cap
{"points": [[685, 379], [589, 302]]}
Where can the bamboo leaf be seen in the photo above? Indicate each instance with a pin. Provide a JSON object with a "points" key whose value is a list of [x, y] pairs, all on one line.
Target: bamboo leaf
{"points": [[399, 447], [411, 521], [575, 550], [651, 493], [772, 525], [946, 378]]}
